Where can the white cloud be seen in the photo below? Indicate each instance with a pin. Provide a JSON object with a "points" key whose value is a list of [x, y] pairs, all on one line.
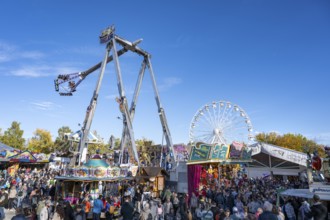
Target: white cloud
{"points": [[6, 52], [32, 54], [169, 83], [36, 71], [9, 52], [44, 105]]}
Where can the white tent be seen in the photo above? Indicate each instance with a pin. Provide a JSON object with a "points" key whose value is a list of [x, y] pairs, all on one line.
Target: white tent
{"points": [[304, 193], [277, 160]]}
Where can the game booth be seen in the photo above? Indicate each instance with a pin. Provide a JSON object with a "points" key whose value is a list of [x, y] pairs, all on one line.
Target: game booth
{"points": [[153, 178], [212, 165], [94, 178], [12, 160]]}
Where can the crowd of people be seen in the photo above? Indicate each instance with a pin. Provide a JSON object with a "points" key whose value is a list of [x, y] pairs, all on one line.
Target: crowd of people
{"points": [[32, 193]]}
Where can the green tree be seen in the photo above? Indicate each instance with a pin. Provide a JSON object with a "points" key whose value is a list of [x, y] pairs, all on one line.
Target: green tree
{"points": [[62, 131], [93, 147], [62, 144], [41, 142], [13, 136]]}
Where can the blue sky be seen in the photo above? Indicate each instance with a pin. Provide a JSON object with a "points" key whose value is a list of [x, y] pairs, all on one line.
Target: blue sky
{"points": [[269, 57]]}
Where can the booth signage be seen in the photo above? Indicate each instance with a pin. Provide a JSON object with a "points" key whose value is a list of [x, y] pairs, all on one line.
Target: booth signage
{"points": [[200, 152], [219, 152], [236, 150]]}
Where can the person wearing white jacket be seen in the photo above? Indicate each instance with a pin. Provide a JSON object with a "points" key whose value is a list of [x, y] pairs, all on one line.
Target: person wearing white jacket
{"points": [[44, 211]]}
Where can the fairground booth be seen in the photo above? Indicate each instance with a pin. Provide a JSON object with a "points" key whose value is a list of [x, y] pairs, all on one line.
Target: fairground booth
{"points": [[153, 178], [94, 178], [12, 159], [213, 164]]}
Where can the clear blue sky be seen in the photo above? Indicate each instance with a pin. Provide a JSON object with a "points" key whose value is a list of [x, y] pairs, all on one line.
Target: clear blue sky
{"points": [[269, 57]]}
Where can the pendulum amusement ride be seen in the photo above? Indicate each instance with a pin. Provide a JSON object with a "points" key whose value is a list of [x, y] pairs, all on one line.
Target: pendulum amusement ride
{"points": [[67, 84]]}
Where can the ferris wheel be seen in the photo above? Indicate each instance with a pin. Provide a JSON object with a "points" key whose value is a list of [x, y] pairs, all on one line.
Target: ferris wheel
{"points": [[221, 122]]}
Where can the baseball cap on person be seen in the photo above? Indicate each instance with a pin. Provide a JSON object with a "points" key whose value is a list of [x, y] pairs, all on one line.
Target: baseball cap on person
{"points": [[235, 209]]}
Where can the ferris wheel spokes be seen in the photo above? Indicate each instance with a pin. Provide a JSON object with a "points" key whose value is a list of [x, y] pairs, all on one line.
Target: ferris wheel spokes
{"points": [[223, 124]]}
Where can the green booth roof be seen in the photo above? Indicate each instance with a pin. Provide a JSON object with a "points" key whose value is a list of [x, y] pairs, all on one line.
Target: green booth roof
{"points": [[96, 163]]}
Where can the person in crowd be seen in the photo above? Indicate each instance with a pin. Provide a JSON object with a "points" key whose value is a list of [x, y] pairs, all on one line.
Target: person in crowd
{"points": [[199, 211], [68, 211], [175, 201], [207, 214], [183, 208], [87, 206], [44, 214], [19, 215], [267, 213], [239, 205], [227, 215], [97, 208], [127, 210], [108, 208], [236, 215], [4, 198], [167, 194], [303, 210], [159, 211], [59, 213], [116, 202], [40, 206], [170, 215], [80, 214], [146, 213], [318, 210], [245, 214], [289, 211], [137, 200], [214, 209], [11, 197], [258, 213], [168, 206], [193, 203], [280, 214]]}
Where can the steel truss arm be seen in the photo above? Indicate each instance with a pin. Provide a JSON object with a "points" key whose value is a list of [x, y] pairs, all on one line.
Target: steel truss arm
{"points": [[132, 108], [161, 111], [91, 110], [126, 114], [65, 78]]}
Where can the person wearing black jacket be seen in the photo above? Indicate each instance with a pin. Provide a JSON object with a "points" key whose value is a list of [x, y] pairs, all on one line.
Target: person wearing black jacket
{"points": [[19, 215], [80, 214], [137, 200], [68, 211], [318, 210], [127, 210]]}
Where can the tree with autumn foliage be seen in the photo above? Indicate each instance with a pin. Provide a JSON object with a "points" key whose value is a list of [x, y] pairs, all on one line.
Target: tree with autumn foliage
{"points": [[296, 142], [41, 142]]}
